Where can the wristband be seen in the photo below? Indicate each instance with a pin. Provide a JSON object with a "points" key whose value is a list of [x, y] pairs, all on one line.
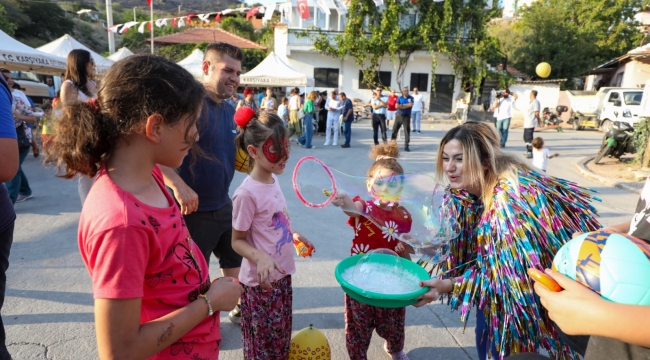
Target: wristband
{"points": [[207, 301]]}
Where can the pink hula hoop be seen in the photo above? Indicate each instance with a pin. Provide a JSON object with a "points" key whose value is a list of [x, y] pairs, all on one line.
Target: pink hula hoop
{"points": [[295, 183]]}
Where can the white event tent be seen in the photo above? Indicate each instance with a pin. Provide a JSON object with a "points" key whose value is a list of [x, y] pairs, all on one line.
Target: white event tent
{"points": [[66, 43], [15, 55], [273, 71], [193, 64], [120, 54]]}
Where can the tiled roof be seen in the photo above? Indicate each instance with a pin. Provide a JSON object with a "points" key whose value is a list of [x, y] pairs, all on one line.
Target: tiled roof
{"points": [[542, 81], [210, 35], [512, 71]]}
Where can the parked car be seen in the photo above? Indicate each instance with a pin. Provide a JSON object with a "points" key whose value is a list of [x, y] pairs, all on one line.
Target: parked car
{"points": [[599, 109]]}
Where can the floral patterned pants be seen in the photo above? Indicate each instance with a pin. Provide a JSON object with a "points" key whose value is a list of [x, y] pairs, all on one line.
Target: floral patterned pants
{"points": [[362, 319], [266, 321]]}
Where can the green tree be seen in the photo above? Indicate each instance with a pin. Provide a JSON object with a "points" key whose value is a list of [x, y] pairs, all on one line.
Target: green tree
{"points": [[456, 28], [47, 21], [240, 26], [6, 24]]}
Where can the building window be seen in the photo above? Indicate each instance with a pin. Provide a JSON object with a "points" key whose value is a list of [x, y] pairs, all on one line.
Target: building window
{"points": [[381, 78], [420, 81], [326, 77], [406, 21], [619, 79]]}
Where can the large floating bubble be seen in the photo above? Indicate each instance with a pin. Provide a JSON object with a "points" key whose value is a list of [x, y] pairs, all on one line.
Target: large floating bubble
{"points": [[434, 221]]}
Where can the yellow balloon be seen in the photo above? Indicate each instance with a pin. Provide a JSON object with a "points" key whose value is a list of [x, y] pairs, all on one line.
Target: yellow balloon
{"points": [[543, 69], [309, 344], [241, 161]]}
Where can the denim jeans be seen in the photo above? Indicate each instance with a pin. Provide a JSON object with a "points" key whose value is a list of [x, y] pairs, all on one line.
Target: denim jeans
{"points": [[306, 137], [502, 128], [482, 338], [416, 118], [347, 130], [19, 184]]}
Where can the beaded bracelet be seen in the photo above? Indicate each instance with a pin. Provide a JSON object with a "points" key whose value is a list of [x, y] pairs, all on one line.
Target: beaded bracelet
{"points": [[207, 301]]}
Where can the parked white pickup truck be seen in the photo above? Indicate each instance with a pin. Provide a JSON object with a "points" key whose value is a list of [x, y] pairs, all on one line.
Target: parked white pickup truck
{"points": [[599, 109]]}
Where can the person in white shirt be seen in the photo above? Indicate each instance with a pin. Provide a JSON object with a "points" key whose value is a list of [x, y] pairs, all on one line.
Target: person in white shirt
{"points": [[295, 127], [503, 107], [416, 110], [283, 111], [334, 107], [531, 119], [541, 154]]}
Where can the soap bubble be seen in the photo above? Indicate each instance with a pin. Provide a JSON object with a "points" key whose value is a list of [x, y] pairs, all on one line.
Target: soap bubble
{"points": [[423, 202]]}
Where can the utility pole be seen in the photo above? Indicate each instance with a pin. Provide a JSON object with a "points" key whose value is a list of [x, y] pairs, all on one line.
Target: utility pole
{"points": [[152, 24], [134, 14], [179, 9], [109, 23]]}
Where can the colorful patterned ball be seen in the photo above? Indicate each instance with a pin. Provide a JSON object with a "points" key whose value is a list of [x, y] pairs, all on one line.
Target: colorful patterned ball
{"points": [[309, 344], [241, 161], [615, 265]]}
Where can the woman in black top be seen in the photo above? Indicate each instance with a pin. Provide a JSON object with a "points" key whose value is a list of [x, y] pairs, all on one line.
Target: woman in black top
{"points": [[322, 113]]}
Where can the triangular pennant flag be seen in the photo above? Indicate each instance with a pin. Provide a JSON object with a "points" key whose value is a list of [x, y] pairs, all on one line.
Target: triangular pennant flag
{"points": [[268, 12], [159, 22], [204, 17], [181, 22], [252, 12], [218, 18], [323, 7], [114, 28], [174, 22], [141, 27], [127, 26], [189, 17], [149, 26], [149, 2]]}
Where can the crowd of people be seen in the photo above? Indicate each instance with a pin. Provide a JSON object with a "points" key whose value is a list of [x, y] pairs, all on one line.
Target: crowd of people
{"points": [[154, 153]]}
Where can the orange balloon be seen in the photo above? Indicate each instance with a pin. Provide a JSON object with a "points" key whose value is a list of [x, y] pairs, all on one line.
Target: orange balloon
{"points": [[544, 279]]}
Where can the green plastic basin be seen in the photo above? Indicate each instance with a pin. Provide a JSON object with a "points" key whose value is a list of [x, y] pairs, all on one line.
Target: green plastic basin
{"points": [[378, 299]]}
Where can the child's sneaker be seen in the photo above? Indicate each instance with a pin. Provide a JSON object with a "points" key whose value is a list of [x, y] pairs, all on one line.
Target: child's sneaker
{"points": [[235, 315], [22, 198], [395, 356]]}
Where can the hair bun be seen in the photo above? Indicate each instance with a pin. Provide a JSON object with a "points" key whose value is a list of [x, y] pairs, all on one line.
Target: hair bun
{"points": [[243, 116]]}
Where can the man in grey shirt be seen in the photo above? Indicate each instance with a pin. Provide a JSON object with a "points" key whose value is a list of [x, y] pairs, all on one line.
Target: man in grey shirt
{"points": [[531, 119]]}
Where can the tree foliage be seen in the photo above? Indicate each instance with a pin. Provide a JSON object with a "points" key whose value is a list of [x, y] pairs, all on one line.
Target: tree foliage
{"points": [[573, 36], [452, 27], [6, 24]]}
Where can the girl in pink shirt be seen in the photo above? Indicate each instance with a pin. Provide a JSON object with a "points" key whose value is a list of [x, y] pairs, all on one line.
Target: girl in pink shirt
{"points": [[262, 234], [153, 295]]}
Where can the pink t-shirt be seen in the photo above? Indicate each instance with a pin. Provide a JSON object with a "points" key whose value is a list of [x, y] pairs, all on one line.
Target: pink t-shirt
{"points": [[261, 210], [133, 250]]}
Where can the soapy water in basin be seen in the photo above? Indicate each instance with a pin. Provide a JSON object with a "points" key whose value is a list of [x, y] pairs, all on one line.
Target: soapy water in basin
{"points": [[382, 278]]}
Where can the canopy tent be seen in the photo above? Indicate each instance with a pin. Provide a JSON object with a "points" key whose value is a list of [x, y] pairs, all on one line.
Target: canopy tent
{"points": [[273, 71], [193, 64], [66, 43], [15, 55], [120, 54]]}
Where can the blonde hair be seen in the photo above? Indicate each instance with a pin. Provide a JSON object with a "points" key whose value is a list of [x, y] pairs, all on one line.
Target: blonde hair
{"points": [[313, 96], [385, 156], [481, 150]]}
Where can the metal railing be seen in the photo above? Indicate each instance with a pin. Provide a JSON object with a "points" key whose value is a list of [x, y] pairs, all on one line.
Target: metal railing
{"points": [[306, 37]]}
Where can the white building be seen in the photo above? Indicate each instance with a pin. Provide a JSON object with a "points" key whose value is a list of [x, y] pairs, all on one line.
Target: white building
{"points": [[512, 8], [344, 74]]}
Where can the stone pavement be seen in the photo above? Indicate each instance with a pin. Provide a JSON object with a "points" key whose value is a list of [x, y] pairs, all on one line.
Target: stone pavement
{"points": [[48, 312]]}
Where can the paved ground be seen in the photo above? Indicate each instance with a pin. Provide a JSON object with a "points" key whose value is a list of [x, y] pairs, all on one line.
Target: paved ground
{"points": [[48, 311]]}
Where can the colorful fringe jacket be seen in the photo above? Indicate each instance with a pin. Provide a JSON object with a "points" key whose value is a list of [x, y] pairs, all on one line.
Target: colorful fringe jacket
{"points": [[528, 222]]}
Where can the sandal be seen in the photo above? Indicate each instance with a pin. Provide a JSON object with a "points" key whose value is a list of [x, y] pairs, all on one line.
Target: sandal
{"points": [[36, 151]]}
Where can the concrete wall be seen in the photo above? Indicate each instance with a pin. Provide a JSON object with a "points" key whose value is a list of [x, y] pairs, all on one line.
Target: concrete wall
{"points": [[547, 94], [636, 74]]}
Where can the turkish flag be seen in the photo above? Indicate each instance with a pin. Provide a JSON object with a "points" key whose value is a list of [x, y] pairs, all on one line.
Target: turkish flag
{"points": [[149, 3], [218, 18], [303, 9], [252, 12]]}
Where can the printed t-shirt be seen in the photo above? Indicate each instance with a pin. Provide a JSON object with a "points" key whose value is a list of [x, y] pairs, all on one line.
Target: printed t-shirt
{"points": [[417, 102], [8, 131], [210, 177], [261, 210], [133, 250], [540, 158], [404, 101], [393, 219], [392, 101]]}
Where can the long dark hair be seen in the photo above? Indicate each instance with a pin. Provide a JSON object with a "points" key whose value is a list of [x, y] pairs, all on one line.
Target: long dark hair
{"points": [[132, 90], [75, 69]]}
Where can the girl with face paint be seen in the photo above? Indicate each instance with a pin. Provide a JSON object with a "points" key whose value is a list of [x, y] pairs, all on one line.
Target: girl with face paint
{"points": [[385, 184], [262, 234]]}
